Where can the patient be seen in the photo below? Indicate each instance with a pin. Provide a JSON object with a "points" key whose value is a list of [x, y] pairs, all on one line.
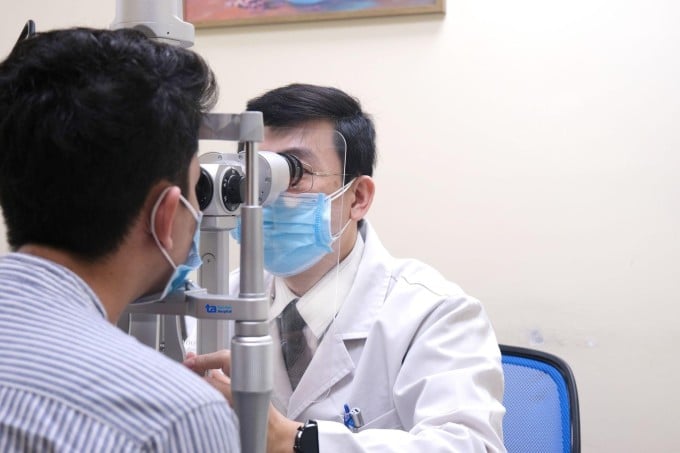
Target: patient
{"points": [[98, 141]]}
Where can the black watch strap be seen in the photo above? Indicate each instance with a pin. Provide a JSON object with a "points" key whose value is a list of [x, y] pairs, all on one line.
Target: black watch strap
{"points": [[307, 438]]}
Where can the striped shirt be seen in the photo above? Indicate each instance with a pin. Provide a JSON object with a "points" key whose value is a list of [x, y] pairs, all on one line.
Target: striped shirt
{"points": [[70, 381]]}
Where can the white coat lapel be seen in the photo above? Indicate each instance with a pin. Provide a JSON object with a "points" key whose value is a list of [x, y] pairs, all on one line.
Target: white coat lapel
{"points": [[330, 364], [332, 360]]}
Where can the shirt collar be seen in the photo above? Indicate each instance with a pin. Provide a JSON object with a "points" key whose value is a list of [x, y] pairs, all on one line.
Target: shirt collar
{"points": [[57, 281], [322, 302]]}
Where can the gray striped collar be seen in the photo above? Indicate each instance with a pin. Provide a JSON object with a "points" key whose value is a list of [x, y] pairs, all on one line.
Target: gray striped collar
{"points": [[56, 280]]}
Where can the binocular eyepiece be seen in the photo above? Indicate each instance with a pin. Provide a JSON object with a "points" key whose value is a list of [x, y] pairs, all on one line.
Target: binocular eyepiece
{"points": [[297, 171], [221, 184]]}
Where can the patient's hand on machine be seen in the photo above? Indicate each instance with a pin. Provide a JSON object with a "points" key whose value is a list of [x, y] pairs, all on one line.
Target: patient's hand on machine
{"points": [[215, 368]]}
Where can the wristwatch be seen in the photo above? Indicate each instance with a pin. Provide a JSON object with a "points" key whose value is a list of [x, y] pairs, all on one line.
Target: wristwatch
{"points": [[307, 438]]}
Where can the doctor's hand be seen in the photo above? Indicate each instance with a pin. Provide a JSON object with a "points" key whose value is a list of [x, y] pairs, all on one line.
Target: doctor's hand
{"points": [[216, 369]]}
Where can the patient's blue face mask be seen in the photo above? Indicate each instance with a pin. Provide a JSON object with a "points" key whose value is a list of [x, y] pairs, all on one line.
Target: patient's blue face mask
{"points": [[193, 261], [297, 231]]}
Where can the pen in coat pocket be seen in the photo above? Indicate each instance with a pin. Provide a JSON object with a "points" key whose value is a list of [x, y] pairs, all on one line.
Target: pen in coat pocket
{"points": [[353, 418]]}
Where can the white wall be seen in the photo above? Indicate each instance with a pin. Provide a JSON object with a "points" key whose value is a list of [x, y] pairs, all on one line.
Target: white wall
{"points": [[528, 150]]}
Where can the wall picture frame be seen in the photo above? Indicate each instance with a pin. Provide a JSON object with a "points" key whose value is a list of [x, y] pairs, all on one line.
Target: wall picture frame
{"points": [[223, 13]]}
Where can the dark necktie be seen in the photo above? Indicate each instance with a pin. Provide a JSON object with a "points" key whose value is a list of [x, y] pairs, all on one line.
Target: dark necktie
{"points": [[296, 352]]}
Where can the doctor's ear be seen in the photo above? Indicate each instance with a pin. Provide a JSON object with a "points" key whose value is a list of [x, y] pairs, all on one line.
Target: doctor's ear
{"points": [[167, 201], [364, 190]]}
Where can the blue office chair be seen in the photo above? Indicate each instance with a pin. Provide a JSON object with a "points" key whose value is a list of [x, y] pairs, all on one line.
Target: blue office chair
{"points": [[541, 402]]}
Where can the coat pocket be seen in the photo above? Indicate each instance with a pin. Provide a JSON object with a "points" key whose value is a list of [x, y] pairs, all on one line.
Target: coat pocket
{"points": [[388, 420]]}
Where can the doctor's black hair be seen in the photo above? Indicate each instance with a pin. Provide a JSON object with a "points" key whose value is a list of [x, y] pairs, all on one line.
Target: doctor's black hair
{"points": [[90, 121], [294, 104]]}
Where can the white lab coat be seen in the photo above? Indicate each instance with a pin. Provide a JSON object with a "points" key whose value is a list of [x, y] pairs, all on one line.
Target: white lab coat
{"points": [[413, 352]]}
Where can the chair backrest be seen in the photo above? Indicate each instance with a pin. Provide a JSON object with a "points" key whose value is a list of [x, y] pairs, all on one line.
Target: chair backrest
{"points": [[541, 401]]}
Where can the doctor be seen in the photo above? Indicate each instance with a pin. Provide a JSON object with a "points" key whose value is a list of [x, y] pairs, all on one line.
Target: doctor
{"points": [[410, 363]]}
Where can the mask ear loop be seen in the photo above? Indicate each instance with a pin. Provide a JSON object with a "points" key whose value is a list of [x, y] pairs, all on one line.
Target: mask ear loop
{"points": [[153, 226], [341, 191], [196, 215], [338, 193]]}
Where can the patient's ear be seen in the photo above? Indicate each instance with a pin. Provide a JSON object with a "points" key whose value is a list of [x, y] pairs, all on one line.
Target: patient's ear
{"points": [[164, 217], [364, 189]]}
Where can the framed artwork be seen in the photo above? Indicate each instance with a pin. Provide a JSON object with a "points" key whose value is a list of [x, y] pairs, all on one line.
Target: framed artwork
{"points": [[217, 13]]}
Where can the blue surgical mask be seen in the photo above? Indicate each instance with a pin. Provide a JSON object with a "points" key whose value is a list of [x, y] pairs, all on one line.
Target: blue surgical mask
{"points": [[193, 261], [297, 231]]}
